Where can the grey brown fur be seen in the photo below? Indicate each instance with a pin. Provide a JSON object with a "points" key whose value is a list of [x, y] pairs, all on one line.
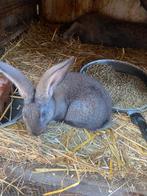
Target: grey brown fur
{"points": [[74, 98], [144, 4], [94, 28]]}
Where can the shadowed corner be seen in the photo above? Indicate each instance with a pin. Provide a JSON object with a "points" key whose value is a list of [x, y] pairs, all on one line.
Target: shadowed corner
{"points": [[13, 111]]}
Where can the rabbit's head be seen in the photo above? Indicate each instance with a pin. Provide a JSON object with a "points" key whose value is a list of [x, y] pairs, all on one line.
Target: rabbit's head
{"points": [[39, 104]]}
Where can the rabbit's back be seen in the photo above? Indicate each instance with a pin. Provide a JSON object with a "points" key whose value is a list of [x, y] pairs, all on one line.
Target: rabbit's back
{"points": [[76, 85], [112, 32], [89, 104]]}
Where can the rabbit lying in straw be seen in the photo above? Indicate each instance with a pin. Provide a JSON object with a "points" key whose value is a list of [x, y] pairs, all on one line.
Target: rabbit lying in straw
{"points": [[94, 28], [72, 97]]}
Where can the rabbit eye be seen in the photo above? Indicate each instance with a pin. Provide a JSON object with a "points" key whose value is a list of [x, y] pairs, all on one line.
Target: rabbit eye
{"points": [[43, 113]]}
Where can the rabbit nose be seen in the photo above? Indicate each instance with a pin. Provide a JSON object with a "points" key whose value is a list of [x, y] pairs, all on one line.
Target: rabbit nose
{"points": [[37, 133]]}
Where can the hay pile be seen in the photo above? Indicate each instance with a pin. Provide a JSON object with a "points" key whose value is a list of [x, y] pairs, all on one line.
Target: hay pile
{"points": [[116, 154]]}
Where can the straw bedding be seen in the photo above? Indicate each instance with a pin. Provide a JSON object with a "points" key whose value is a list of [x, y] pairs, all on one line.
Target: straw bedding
{"points": [[116, 154]]}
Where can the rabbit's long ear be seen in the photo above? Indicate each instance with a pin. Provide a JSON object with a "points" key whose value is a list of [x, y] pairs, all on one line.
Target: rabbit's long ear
{"points": [[24, 86], [51, 78]]}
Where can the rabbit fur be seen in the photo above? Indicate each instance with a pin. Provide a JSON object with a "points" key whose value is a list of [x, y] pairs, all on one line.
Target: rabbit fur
{"points": [[144, 4], [96, 29], [75, 98]]}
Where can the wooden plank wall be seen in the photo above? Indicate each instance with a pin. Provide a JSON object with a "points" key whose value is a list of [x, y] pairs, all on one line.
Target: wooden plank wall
{"points": [[14, 15], [67, 10]]}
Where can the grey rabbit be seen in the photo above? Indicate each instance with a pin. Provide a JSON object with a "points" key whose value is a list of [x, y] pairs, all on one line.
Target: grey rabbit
{"points": [[75, 98], [97, 29]]}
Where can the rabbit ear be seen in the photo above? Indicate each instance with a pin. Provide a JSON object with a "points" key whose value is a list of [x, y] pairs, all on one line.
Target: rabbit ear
{"points": [[51, 78], [24, 86]]}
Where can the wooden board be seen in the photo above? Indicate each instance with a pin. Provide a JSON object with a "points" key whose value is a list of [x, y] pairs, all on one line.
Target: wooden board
{"points": [[39, 183], [14, 15], [68, 10]]}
